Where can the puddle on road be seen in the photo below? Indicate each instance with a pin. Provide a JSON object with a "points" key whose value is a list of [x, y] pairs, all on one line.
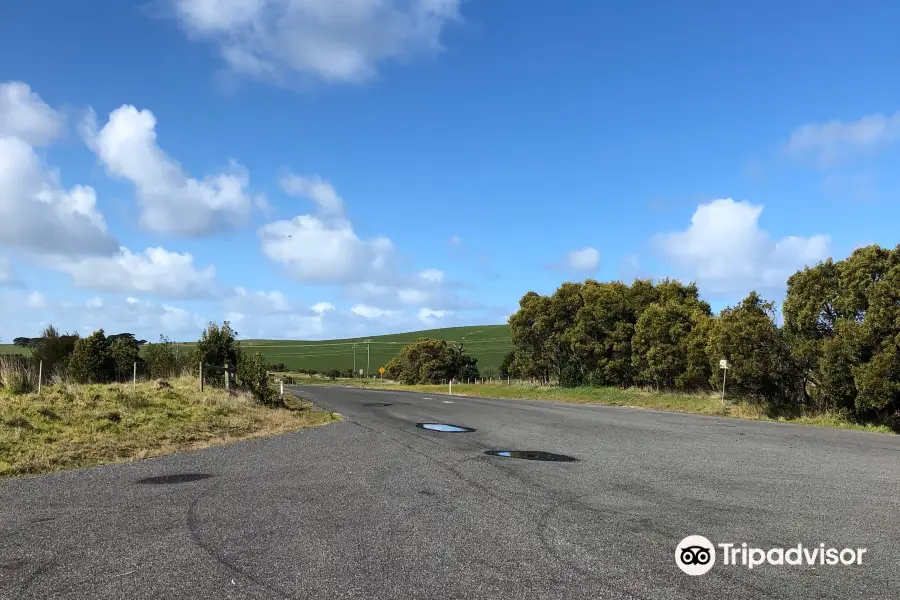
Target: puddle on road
{"points": [[176, 478], [377, 404], [444, 428], [532, 455]]}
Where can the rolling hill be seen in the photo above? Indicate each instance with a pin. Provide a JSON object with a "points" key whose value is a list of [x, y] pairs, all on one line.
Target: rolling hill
{"points": [[487, 343]]}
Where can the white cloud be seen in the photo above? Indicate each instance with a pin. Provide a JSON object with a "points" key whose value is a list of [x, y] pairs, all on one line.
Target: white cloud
{"points": [[285, 41], [322, 307], [154, 271], [94, 302], [36, 213], [371, 312], [36, 300], [834, 141], [584, 259], [432, 275], [24, 115], [316, 189], [455, 241], [432, 317], [726, 251], [171, 202], [323, 247], [243, 301]]}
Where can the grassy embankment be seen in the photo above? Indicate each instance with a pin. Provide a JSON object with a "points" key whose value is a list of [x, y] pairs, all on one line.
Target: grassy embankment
{"points": [[709, 404], [77, 426]]}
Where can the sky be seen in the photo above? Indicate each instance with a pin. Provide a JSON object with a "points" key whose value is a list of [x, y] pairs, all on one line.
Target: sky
{"points": [[315, 169]]}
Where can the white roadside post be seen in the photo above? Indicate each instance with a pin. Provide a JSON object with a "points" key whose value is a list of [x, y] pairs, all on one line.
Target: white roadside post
{"points": [[451, 387], [40, 375], [134, 379], [723, 364], [282, 389]]}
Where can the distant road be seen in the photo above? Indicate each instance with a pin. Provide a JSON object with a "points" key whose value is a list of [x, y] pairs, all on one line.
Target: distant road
{"points": [[376, 507]]}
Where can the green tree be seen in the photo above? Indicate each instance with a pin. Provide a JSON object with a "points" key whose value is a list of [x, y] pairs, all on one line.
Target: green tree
{"points": [[760, 364], [125, 353], [54, 351], [217, 347], [665, 347], [167, 359], [91, 360], [393, 369], [506, 365]]}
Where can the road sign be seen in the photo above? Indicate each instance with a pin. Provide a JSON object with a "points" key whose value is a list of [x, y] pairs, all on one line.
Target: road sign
{"points": [[723, 364], [360, 372], [381, 370]]}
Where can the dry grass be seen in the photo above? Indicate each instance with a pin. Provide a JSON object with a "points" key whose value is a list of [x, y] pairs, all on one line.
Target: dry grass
{"points": [[77, 426]]}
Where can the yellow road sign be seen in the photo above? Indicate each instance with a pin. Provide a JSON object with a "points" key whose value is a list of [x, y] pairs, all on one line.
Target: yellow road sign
{"points": [[381, 369]]}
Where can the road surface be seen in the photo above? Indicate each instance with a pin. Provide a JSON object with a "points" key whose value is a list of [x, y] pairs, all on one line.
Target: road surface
{"points": [[375, 508]]}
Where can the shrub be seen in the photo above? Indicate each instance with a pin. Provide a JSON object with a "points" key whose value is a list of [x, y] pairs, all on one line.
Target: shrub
{"points": [[91, 361], [14, 374], [54, 350], [253, 376]]}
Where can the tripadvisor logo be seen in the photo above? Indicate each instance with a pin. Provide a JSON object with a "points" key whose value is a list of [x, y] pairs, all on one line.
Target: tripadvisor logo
{"points": [[696, 555]]}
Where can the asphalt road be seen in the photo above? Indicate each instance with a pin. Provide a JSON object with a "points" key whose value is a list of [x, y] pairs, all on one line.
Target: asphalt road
{"points": [[376, 508]]}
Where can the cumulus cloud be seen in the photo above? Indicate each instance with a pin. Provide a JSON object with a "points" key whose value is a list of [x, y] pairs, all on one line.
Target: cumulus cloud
{"points": [[725, 250], [335, 41], [322, 307], [432, 275], [155, 271], [585, 260], [36, 213], [316, 189], [171, 202], [835, 141], [24, 115]]}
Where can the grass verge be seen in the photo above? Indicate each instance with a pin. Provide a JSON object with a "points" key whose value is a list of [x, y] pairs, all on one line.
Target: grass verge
{"points": [[709, 404], [79, 426]]}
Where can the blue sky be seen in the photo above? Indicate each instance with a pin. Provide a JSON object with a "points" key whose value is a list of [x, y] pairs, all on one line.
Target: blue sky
{"points": [[329, 168]]}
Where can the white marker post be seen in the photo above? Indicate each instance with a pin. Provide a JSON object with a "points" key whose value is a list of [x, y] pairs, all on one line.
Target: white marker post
{"points": [[282, 389], [134, 379], [40, 375], [723, 364], [451, 387]]}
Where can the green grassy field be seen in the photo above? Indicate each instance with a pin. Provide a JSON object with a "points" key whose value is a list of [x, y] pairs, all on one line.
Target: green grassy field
{"points": [[487, 343]]}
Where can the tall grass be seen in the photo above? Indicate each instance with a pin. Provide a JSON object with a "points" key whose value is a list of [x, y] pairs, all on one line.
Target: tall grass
{"points": [[15, 377]]}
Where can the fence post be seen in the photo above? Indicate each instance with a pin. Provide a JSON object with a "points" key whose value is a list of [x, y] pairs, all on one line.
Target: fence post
{"points": [[282, 389], [134, 380], [227, 378], [40, 375], [201, 375]]}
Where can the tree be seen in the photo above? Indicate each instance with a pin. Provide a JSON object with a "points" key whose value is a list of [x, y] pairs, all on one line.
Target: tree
{"points": [[91, 360], [393, 369], [434, 361], [125, 354], [760, 364], [666, 348], [166, 359], [842, 321], [53, 350], [506, 365], [217, 347]]}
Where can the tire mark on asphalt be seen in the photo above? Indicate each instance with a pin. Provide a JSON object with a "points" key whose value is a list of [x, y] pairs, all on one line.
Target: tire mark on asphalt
{"points": [[193, 527]]}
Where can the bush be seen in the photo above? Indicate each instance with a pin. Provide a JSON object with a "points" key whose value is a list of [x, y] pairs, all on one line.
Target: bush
{"points": [[54, 351], [253, 376], [91, 361], [217, 347], [125, 353], [166, 359]]}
